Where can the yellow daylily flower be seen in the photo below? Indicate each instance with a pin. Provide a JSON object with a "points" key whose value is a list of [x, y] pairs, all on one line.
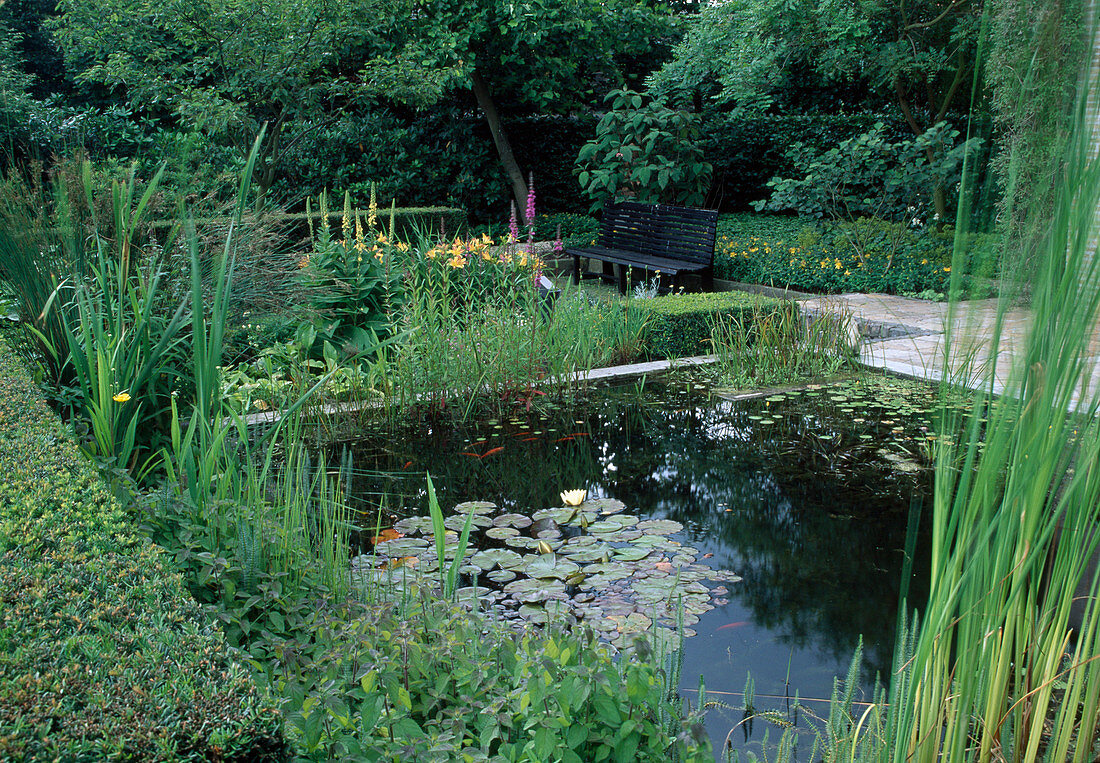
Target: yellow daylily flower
{"points": [[121, 397]]}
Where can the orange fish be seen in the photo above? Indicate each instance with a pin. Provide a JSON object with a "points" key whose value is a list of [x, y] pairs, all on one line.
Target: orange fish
{"points": [[731, 625], [475, 455], [388, 534], [407, 465], [529, 439], [491, 452]]}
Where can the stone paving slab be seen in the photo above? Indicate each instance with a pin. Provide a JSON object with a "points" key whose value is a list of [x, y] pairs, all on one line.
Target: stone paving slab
{"points": [[906, 336]]}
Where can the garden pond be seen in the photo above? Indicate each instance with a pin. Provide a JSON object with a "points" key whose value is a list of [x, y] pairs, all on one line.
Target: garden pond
{"points": [[772, 529]]}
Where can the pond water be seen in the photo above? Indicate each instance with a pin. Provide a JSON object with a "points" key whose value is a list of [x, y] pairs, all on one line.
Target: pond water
{"points": [[805, 495]]}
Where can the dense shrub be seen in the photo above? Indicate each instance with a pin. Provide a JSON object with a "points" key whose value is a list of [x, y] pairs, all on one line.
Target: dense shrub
{"points": [[103, 655], [748, 151], [644, 151], [865, 255], [679, 325], [871, 176], [432, 683], [442, 155], [575, 230]]}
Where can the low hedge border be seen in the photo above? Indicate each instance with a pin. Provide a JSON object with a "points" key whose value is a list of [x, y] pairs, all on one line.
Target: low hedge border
{"points": [[103, 654], [448, 221], [678, 325]]}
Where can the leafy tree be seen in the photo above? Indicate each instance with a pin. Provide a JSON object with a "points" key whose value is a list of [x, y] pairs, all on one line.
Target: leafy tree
{"points": [[755, 55], [227, 67], [543, 55], [16, 104]]}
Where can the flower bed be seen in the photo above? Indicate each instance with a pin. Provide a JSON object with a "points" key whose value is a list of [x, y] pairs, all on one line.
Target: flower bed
{"points": [[103, 654], [865, 255]]}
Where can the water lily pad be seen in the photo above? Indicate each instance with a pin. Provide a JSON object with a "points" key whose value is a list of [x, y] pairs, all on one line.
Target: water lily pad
{"points": [[512, 520], [581, 540], [411, 525], [501, 576], [521, 541], [632, 553], [477, 507], [525, 585], [561, 515], [657, 543], [655, 590], [532, 614], [457, 523], [660, 526], [496, 557], [620, 536], [606, 526], [609, 571], [633, 622], [551, 566], [401, 546], [472, 592], [501, 533], [604, 505], [549, 534], [593, 553]]}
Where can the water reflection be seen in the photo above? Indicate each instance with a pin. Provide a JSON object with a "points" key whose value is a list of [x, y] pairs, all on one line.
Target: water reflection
{"points": [[801, 496]]}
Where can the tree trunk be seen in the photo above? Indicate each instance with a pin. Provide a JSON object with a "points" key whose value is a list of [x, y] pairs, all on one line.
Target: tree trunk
{"points": [[939, 193], [504, 149]]}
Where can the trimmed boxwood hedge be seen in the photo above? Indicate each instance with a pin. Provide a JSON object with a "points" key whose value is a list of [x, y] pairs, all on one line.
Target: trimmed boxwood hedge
{"points": [[678, 325], [103, 654], [407, 221]]}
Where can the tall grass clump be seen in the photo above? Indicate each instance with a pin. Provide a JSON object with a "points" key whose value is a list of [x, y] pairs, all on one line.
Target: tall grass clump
{"points": [[477, 328], [767, 345]]}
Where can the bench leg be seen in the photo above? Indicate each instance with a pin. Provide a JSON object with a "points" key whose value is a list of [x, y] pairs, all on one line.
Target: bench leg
{"points": [[624, 277], [576, 269]]}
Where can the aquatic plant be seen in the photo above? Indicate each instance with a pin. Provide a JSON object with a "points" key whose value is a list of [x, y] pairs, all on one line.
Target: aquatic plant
{"points": [[586, 563], [765, 345]]}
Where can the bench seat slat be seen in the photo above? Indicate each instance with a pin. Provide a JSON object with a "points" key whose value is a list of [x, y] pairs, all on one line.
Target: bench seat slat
{"points": [[654, 237], [620, 257]]}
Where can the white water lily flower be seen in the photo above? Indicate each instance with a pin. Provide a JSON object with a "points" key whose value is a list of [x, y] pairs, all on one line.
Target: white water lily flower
{"points": [[574, 497]]}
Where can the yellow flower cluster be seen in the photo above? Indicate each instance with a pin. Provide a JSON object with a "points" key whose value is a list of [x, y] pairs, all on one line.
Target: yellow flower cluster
{"points": [[803, 259], [461, 252]]}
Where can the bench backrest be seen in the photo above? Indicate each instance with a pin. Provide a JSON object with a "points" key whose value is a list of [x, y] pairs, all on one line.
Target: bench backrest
{"points": [[660, 230]]}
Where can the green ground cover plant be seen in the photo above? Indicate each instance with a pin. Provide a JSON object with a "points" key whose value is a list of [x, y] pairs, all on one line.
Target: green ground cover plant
{"points": [[103, 653], [863, 255]]}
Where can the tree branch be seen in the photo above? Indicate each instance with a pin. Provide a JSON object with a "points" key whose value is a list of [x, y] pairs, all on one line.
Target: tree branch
{"points": [[960, 72], [933, 22]]}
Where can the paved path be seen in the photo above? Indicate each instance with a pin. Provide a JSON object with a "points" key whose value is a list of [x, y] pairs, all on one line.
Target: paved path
{"points": [[907, 335]]}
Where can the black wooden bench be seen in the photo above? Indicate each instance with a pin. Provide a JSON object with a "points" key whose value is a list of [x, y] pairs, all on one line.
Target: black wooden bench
{"points": [[651, 237]]}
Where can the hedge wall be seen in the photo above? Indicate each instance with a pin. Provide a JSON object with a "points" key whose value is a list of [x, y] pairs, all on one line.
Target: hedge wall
{"points": [[678, 325], [103, 654]]}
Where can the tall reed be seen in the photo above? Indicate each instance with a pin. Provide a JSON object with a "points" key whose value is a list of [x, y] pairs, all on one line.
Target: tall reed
{"points": [[995, 669], [1004, 663], [768, 345]]}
